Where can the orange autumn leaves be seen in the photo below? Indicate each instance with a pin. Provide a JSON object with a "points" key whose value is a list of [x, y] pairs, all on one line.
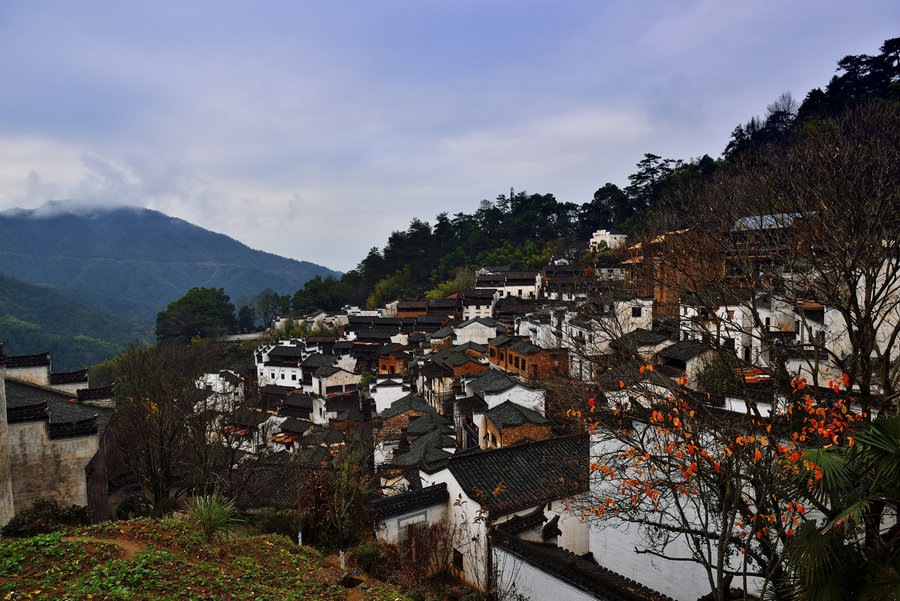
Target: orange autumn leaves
{"points": [[687, 447]]}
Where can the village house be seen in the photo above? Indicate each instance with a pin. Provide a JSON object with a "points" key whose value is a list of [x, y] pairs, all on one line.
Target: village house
{"points": [[525, 359], [479, 302], [327, 408], [386, 390], [509, 423], [489, 488], [478, 330], [394, 515], [51, 445], [280, 363], [327, 381], [607, 239], [494, 387], [392, 360], [686, 359]]}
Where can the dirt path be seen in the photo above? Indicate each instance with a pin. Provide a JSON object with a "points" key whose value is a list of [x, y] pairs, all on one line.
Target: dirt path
{"points": [[129, 548]]}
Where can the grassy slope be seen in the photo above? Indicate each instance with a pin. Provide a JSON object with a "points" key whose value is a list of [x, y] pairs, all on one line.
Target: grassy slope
{"points": [[177, 565]]}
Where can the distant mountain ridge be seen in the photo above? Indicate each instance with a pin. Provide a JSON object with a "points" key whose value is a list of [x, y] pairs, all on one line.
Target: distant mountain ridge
{"points": [[133, 261], [36, 318]]}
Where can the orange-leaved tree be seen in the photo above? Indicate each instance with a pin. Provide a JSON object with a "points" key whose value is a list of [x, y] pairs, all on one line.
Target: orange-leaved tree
{"points": [[719, 486]]}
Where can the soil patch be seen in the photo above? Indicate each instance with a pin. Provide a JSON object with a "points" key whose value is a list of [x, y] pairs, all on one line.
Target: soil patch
{"points": [[128, 547]]}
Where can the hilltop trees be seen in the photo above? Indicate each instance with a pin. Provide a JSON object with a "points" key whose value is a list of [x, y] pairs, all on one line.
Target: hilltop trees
{"points": [[807, 235], [200, 312]]}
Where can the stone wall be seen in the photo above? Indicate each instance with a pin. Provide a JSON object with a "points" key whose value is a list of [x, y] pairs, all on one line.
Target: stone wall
{"points": [[48, 468], [6, 493]]}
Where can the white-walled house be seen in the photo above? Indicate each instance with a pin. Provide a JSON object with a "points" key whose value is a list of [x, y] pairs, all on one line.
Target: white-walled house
{"points": [[495, 387], [492, 487], [387, 390], [478, 330], [610, 239], [334, 380], [395, 514], [280, 363]]}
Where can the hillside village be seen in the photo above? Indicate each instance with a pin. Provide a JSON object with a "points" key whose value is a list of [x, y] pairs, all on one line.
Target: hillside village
{"points": [[467, 412]]}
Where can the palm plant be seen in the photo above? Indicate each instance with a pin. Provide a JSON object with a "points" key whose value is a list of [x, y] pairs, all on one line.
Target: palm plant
{"points": [[214, 515], [855, 552]]}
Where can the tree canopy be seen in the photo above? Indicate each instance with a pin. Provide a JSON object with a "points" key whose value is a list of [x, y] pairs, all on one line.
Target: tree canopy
{"points": [[202, 312]]}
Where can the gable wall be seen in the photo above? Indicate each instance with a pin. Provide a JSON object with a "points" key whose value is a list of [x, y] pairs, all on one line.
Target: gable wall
{"points": [[48, 468]]}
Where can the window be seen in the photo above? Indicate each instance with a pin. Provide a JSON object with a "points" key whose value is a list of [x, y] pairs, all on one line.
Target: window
{"points": [[282, 376], [516, 362], [406, 522], [636, 311], [457, 560], [293, 376], [523, 364]]}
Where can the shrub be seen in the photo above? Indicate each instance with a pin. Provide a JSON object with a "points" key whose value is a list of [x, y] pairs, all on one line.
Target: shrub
{"points": [[46, 515], [377, 559], [214, 515]]}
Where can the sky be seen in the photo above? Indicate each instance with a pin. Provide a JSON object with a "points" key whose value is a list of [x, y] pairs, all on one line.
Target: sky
{"points": [[314, 129]]}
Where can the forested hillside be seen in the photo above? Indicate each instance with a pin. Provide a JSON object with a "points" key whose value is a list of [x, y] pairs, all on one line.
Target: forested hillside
{"points": [[135, 261], [36, 319]]}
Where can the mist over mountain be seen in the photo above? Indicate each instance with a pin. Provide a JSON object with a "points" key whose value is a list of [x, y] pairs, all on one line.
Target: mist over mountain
{"points": [[133, 261]]}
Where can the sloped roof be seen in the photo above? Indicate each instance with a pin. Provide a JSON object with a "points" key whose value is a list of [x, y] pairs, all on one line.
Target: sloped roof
{"points": [[484, 321], [575, 570], [319, 360], [65, 417], [291, 352], [471, 346], [521, 476], [28, 360], [325, 372], [101, 392], [299, 400], [524, 347], [410, 402], [350, 415], [427, 423], [684, 350], [494, 381], [450, 358], [639, 337], [442, 333], [509, 414], [70, 377], [292, 424], [409, 501]]}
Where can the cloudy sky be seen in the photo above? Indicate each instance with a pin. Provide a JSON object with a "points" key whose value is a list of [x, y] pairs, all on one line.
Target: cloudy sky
{"points": [[314, 129]]}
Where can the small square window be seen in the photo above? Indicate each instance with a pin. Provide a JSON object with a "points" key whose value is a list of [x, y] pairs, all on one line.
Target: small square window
{"points": [[457, 560], [636, 311]]}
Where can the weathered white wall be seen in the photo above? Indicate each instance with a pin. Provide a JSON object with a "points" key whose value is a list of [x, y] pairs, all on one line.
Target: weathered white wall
{"points": [[516, 577], [6, 492], [392, 529], [39, 375], [48, 468]]}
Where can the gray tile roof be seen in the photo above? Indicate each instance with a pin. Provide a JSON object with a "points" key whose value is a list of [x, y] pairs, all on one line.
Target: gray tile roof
{"points": [[407, 403], [65, 417], [509, 414], [522, 476], [409, 501], [494, 381], [684, 350]]}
